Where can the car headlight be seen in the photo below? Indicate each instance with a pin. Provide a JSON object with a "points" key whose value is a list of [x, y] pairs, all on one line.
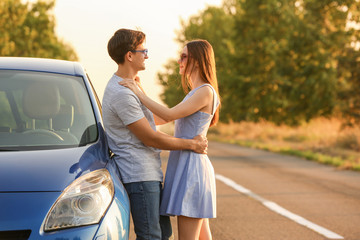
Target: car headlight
{"points": [[83, 202]]}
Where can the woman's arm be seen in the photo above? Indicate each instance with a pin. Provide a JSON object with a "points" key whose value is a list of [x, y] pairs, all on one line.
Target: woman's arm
{"points": [[198, 101], [158, 120]]}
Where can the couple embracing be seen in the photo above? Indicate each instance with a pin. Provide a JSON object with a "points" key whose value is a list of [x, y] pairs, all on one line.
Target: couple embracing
{"points": [[130, 119]]}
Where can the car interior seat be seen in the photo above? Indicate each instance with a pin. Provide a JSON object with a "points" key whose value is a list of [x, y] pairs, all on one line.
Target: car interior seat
{"points": [[41, 101], [63, 121]]}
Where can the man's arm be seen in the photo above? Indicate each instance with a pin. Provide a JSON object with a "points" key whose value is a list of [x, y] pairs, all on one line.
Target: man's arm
{"points": [[151, 138]]}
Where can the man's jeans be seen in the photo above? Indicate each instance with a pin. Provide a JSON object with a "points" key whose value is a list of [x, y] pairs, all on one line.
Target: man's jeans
{"points": [[145, 204]]}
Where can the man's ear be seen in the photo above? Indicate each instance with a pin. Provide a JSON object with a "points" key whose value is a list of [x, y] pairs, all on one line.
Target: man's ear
{"points": [[128, 56]]}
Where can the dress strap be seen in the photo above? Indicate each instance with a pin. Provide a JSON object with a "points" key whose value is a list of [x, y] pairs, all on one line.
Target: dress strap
{"points": [[215, 98]]}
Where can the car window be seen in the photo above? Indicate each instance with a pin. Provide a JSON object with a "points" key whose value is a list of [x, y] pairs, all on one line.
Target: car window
{"points": [[43, 110]]}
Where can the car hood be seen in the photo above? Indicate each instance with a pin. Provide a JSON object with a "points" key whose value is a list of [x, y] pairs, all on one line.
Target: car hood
{"points": [[48, 170]]}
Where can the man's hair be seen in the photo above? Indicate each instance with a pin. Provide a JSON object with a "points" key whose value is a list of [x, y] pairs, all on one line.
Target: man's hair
{"points": [[122, 41]]}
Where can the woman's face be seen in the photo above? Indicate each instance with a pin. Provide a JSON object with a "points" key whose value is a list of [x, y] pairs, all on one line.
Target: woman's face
{"points": [[183, 60]]}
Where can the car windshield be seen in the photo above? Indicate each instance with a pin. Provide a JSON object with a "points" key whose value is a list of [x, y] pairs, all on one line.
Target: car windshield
{"points": [[43, 111]]}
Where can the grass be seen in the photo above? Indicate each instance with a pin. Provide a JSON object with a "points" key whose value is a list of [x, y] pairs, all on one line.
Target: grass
{"points": [[322, 140]]}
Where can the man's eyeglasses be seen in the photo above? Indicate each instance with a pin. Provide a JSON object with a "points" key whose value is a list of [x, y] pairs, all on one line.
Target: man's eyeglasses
{"points": [[145, 51], [183, 56]]}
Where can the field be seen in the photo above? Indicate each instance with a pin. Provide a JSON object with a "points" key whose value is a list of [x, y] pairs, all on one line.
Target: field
{"points": [[323, 140]]}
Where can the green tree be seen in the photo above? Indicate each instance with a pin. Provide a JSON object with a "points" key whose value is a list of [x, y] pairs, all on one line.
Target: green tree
{"points": [[28, 30], [349, 69], [215, 25], [349, 85], [285, 61], [284, 54], [287, 53]]}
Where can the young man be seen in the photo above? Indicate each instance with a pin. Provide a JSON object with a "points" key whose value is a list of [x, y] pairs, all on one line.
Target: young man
{"points": [[134, 140]]}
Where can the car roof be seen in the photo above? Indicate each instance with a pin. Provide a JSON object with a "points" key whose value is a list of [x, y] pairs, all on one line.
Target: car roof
{"points": [[42, 65]]}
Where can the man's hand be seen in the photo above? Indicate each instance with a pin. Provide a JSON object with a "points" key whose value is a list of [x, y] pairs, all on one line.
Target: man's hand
{"points": [[201, 144]]}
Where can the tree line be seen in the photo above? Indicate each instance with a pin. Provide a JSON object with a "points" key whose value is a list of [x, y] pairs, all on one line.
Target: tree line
{"points": [[28, 30], [284, 61]]}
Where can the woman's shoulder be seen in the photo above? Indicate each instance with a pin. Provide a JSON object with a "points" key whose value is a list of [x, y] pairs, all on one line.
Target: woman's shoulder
{"points": [[204, 87], [208, 91], [204, 90]]}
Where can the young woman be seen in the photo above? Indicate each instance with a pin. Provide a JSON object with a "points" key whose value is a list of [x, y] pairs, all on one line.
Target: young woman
{"points": [[189, 188]]}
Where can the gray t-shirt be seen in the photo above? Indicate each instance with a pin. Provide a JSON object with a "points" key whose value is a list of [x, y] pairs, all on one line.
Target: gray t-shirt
{"points": [[135, 161]]}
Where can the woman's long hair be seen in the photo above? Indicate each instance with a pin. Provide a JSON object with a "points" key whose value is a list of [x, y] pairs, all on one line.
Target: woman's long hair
{"points": [[201, 55]]}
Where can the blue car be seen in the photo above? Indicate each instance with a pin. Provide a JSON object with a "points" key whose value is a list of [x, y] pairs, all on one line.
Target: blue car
{"points": [[57, 177]]}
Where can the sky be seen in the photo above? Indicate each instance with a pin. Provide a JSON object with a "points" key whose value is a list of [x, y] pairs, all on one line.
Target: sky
{"points": [[87, 26]]}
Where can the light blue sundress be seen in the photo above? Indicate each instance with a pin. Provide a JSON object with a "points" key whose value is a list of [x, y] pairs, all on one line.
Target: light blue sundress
{"points": [[189, 187]]}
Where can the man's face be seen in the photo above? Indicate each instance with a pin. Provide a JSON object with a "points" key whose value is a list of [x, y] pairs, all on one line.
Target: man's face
{"points": [[139, 57]]}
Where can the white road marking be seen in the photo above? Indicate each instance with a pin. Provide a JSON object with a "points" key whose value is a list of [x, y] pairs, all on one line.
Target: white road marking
{"points": [[278, 209]]}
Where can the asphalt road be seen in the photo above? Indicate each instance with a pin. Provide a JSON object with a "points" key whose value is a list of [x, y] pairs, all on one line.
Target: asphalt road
{"points": [[262, 195]]}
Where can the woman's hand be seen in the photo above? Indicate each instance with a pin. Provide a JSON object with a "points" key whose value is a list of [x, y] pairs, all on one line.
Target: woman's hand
{"points": [[133, 85]]}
